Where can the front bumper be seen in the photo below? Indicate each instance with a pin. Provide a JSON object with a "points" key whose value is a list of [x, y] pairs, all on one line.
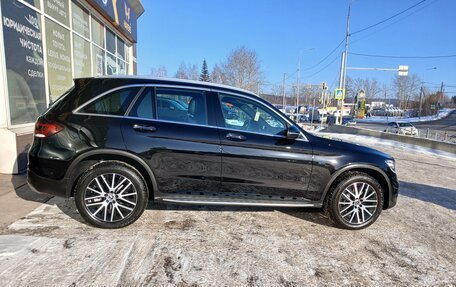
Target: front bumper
{"points": [[45, 185], [394, 192]]}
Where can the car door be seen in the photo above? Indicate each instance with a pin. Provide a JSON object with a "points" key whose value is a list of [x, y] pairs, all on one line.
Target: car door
{"points": [[258, 160], [183, 152]]}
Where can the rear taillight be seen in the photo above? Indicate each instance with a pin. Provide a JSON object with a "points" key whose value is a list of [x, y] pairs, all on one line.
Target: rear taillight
{"points": [[46, 129]]}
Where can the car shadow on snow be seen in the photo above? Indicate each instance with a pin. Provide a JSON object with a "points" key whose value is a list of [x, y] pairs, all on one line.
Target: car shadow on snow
{"points": [[444, 197], [312, 215]]}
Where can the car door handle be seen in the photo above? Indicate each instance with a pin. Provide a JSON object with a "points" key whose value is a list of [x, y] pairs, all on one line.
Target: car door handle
{"points": [[235, 137], [144, 128]]}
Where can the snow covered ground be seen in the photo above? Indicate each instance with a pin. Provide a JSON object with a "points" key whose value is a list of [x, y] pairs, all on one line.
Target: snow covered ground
{"points": [[377, 119], [412, 244]]}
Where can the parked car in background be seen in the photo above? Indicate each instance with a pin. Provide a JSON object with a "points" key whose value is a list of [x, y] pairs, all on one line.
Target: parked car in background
{"points": [[346, 120], [113, 143], [401, 128]]}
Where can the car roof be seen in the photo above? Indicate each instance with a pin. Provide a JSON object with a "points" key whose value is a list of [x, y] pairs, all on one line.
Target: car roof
{"points": [[176, 80]]}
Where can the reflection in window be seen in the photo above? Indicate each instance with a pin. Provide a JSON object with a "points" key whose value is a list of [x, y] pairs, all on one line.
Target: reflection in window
{"points": [[121, 67], [115, 103], [111, 65], [98, 61], [181, 106]]}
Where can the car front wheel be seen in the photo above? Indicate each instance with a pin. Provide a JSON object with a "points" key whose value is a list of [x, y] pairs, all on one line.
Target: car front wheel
{"points": [[111, 194], [355, 201]]}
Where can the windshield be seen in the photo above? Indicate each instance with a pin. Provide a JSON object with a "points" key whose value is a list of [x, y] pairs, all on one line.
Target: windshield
{"points": [[405, 125]]}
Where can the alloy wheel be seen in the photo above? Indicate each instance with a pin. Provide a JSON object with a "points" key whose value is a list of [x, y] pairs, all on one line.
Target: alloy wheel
{"points": [[358, 203], [110, 197]]}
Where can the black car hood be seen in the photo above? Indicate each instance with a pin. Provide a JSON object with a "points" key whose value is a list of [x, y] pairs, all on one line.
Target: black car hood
{"points": [[337, 144]]}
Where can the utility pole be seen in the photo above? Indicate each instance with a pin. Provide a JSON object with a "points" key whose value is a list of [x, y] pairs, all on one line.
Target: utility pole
{"points": [[440, 98], [283, 92], [384, 88], [343, 76], [421, 101], [297, 88]]}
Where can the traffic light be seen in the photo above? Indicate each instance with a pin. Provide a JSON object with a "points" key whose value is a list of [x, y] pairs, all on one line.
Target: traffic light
{"points": [[324, 86]]}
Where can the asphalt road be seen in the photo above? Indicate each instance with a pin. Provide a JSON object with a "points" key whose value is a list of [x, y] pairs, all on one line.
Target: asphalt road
{"points": [[445, 124]]}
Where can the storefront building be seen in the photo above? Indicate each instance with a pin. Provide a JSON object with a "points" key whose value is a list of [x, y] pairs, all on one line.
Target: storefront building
{"points": [[44, 45]]}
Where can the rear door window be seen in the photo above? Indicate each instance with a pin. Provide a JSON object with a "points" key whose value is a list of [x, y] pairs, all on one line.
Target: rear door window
{"points": [[114, 103], [144, 107], [179, 105]]}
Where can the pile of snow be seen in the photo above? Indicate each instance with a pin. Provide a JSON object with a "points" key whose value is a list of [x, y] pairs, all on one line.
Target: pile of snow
{"points": [[382, 119], [373, 141]]}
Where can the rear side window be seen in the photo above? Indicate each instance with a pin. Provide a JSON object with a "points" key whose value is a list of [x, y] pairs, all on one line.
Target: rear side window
{"points": [[114, 103], [144, 106], [186, 106]]}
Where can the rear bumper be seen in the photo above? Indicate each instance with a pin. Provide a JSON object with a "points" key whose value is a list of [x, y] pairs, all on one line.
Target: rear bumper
{"points": [[45, 185]]}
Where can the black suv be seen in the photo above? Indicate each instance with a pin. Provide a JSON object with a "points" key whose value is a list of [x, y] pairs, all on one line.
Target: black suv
{"points": [[115, 142]]}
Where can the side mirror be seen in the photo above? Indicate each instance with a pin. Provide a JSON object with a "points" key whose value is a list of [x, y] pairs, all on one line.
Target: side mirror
{"points": [[293, 132]]}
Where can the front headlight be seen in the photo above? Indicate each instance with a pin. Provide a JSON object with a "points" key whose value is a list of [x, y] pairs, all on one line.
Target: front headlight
{"points": [[391, 164]]}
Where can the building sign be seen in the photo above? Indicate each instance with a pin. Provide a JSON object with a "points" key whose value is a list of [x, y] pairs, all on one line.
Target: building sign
{"points": [[120, 12], [58, 51], [24, 61]]}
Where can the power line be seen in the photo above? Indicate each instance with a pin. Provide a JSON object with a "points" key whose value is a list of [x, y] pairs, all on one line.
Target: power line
{"points": [[389, 25], [322, 69], [387, 19], [326, 57], [404, 57]]}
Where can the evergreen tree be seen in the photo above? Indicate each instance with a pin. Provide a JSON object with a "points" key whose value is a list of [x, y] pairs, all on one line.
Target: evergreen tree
{"points": [[204, 76]]}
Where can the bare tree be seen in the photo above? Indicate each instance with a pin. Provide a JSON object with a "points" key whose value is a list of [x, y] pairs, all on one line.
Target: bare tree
{"points": [[407, 89], [161, 71], [242, 69], [189, 72], [217, 75], [370, 87]]}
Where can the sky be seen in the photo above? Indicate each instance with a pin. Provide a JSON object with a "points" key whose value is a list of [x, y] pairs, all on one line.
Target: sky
{"points": [[175, 31]]}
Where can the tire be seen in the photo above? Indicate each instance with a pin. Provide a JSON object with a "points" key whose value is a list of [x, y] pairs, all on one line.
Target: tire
{"points": [[358, 207], [111, 194]]}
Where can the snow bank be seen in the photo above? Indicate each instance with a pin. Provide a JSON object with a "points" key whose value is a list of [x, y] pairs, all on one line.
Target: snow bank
{"points": [[377, 119]]}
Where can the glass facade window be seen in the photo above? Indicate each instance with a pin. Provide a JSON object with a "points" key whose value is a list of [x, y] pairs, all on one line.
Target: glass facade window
{"points": [[80, 20], [98, 33], [120, 49], [35, 3], [98, 61], [110, 41], [58, 51], [66, 37], [81, 57], [58, 10], [24, 62], [111, 65]]}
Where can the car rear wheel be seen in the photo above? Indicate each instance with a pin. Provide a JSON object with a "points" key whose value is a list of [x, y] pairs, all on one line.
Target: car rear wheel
{"points": [[355, 202], [111, 194]]}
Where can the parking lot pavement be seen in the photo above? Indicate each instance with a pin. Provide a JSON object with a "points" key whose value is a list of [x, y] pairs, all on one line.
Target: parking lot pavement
{"points": [[16, 199], [412, 244]]}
